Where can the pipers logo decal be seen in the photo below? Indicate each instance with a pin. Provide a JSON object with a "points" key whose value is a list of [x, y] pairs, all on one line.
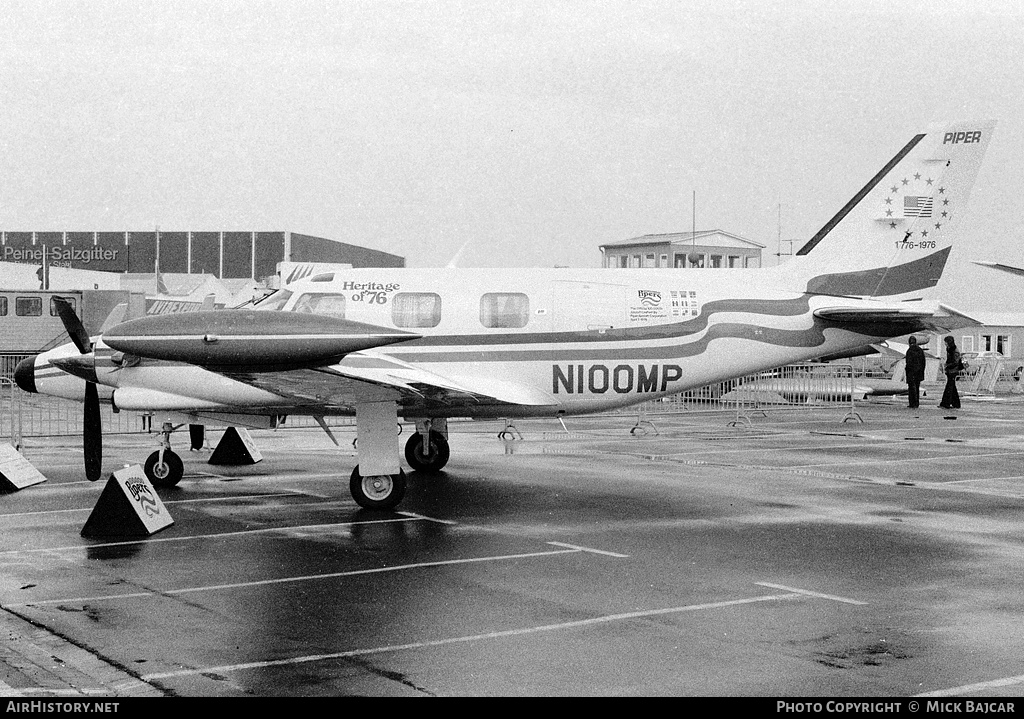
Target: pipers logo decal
{"points": [[142, 494], [649, 298]]}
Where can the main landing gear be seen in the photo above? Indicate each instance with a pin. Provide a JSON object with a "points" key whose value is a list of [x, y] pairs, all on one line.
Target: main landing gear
{"points": [[380, 491], [164, 468], [427, 450], [383, 484]]}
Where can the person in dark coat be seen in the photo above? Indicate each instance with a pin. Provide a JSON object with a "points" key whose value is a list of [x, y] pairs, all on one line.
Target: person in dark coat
{"points": [[950, 397], [915, 372]]}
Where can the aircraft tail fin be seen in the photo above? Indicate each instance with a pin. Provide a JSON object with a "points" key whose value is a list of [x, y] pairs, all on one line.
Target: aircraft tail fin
{"points": [[893, 238]]}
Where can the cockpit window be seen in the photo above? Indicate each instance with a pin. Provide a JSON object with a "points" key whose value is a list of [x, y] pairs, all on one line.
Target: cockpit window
{"points": [[276, 300], [322, 304]]}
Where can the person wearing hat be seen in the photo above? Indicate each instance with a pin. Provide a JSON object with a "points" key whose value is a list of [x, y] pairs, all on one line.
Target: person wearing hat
{"points": [[914, 372]]}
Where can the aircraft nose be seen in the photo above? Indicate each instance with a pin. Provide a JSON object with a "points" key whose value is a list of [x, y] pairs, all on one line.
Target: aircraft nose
{"points": [[25, 374]]}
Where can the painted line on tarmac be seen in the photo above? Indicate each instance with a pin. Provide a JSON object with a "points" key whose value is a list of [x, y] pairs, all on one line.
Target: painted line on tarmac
{"points": [[199, 476], [426, 518], [605, 619], [301, 578], [941, 458], [196, 500], [170, 501], [588, 549], [968, 688], [239, 533], [982, 479], [809, 593], [763, 450]]}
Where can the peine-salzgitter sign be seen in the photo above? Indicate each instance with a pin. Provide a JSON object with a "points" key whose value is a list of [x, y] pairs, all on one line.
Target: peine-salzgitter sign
{"points": [[103, 251]]}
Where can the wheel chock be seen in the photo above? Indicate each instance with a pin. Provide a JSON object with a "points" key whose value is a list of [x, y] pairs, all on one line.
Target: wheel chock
{"points": [[235, 448], [127, 507], [16, 472]]}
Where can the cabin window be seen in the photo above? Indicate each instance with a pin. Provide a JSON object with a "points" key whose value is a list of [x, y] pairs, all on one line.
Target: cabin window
{"points": [[28, 306], [53, 305], [416, 309], [322, 304], [504, 309], [3, 306]]}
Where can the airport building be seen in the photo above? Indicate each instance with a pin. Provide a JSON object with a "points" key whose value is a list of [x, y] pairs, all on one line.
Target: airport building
{"points": [[703, 248], [252, 255], [1000, 333], [96, 271]]}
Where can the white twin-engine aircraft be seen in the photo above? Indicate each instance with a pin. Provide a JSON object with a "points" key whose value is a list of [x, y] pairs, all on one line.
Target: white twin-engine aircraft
{"points": [[424, 345]]}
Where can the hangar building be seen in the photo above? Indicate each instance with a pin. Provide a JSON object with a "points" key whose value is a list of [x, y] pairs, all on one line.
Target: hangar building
{"points": [[225, 254]]}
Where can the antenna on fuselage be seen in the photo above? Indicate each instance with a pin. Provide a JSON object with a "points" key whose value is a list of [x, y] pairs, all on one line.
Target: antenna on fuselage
{"points": [[454, 261]]}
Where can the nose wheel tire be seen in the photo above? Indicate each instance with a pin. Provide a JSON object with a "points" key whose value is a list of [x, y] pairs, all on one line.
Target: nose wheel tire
{"points": [[166, 473], [383, 491], [438, 457]]}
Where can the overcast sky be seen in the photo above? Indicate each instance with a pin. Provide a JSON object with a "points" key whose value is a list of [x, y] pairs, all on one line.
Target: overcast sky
{"points": [[533, 131]]}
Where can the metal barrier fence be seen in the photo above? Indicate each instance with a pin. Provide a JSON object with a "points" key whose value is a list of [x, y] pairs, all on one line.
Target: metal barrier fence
{"points": [[10, 414], [32, 415], [991, 375], [8, 362], [41, 416], [797, 386]]}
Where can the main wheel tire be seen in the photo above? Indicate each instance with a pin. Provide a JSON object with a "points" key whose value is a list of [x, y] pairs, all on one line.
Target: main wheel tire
{"points": [[167, 473], [383, 491], [439, 452]]}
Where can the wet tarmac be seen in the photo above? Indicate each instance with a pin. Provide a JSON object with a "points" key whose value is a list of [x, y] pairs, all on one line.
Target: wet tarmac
{"points": [[797, 555]]}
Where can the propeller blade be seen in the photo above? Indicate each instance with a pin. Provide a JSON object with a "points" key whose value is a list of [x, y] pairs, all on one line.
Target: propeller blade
{"points": [[73, 325], [92, 434]]}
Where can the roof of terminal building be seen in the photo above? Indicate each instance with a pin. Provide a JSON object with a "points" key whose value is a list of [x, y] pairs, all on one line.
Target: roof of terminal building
{"points": [[996, 319], [679, 238]]}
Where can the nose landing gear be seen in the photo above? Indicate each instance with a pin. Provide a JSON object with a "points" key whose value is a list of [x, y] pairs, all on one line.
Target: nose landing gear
{"points": [[164, 468]]}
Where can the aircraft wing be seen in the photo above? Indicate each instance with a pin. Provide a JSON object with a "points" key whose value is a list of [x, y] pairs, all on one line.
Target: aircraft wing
{"points": [[361, 374], [311, 361], [940, 318]]}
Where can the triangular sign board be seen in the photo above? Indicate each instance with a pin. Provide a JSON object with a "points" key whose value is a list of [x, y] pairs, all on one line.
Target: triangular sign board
{"points": [[16, 472], [127, 507], [235, 448]]}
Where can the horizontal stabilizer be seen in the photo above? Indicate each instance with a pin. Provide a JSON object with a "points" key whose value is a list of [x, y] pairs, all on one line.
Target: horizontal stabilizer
{"points": [[862, 315], [950, 319], [938, 318]]}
